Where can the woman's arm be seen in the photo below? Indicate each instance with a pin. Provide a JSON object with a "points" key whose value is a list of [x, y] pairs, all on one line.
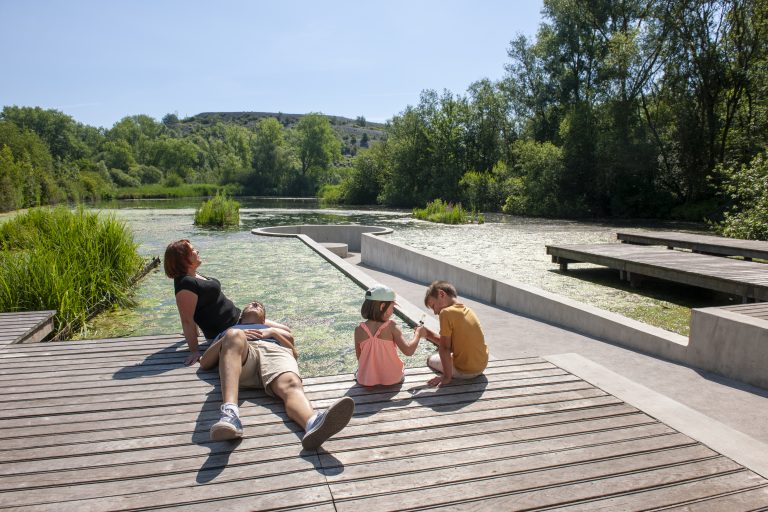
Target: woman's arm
{"points": [[186, 301]]}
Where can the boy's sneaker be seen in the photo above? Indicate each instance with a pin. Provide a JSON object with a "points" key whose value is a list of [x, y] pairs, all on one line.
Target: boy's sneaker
{"points": [[328, 423], [228, 426]]}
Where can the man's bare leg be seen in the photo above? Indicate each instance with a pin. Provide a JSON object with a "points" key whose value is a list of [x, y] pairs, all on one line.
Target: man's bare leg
{"points": [[232, 356], [287, 386]]}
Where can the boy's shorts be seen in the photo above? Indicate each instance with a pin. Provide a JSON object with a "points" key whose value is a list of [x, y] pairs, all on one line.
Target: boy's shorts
{"points": [[265, 362], [434, 362]]}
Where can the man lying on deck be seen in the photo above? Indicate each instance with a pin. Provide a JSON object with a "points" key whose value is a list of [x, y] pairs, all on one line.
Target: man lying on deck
{"points": [[260, 355]]}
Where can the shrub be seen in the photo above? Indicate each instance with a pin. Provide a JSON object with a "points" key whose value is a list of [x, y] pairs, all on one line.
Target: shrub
{"points": [[218, 211], [747, 187], [74, 262], [331, 194], [447, 213]]}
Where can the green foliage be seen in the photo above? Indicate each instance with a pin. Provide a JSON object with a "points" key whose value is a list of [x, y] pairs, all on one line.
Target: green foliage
{"points": [[317, 148], [446, 213], [331, 194], [219, 211], [159, 191], [74, 262], [534, 186], [747, 188]]}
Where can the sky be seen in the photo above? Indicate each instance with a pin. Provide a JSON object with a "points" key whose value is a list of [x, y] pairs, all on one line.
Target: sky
{"points": [[99, 61]]}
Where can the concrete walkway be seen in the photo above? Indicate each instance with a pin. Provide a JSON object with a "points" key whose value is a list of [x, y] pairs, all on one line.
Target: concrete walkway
{"points": [[739, 406]]}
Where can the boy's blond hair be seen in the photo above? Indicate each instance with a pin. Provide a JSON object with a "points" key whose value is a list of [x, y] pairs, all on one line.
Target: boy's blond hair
{"points": [[436, 286]]}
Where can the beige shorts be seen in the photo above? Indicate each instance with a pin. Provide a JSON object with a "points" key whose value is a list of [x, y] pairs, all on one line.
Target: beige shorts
{"points": [[436, 364], [265, 362]]}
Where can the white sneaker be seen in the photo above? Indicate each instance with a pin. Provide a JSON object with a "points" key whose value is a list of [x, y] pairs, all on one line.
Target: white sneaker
{"points": [[328, 423]]}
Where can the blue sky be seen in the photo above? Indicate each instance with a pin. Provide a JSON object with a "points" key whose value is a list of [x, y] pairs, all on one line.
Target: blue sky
{"points": [[99, 61]]}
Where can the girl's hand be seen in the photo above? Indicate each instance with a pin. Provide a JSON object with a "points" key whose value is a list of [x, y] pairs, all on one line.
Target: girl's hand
{"points": [[192, 358]]}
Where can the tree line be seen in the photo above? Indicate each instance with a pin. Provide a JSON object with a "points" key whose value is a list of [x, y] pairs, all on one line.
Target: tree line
{"points": [[47, 157], [639, 108]]}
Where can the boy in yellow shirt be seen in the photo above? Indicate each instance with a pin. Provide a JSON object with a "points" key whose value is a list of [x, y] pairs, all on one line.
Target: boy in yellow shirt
{"points": [[461, 349]]}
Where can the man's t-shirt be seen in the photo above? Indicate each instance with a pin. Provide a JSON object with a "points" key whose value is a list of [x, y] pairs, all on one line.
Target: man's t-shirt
{"points": [[214, 312], [470, 353]]}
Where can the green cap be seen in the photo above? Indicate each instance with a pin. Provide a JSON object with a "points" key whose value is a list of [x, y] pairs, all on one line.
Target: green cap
{"points": [[380, 292]]}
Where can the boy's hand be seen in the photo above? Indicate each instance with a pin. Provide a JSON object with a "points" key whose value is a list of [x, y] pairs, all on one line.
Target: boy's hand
{"points": [[439, 381]]}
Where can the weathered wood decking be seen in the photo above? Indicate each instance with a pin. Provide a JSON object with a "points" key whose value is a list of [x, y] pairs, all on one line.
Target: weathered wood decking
{"points": [[746, 279], [757, 310], [707, 244], [122, 425], [25, 327]]}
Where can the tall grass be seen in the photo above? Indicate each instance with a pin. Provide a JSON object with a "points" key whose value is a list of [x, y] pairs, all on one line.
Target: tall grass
{"points": [[218, 211], [447, 213], [75, 262]]}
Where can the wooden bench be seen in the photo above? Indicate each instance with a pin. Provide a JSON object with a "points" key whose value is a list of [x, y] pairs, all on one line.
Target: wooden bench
{"points": [[25, 327]]}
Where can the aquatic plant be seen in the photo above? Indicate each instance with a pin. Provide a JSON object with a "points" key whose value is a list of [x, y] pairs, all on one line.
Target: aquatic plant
{"points": [[218, 211], [447, 213], [74, 262]]}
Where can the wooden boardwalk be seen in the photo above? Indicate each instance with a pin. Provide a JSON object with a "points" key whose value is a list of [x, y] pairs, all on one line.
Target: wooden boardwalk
{"points": [[757, 310], [746, 279], [706, 244], [25, 327], [122, 425]]}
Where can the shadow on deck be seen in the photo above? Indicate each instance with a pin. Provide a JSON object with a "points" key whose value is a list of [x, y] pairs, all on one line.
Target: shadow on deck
{"points": [[122, 424]]}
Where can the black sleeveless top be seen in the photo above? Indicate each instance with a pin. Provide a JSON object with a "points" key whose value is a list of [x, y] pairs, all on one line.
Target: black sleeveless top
{"points": [[214, 312]]}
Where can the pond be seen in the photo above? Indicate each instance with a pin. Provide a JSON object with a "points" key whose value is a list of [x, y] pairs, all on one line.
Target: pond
{"points": [[322, 305]]}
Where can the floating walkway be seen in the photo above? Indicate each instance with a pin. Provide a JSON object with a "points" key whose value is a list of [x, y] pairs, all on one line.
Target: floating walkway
{"points": [[705, 244], [122, 425], [25, 327], [746, 279]]}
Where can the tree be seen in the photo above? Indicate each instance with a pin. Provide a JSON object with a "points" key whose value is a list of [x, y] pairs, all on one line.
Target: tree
{"points": [[317, 147]]}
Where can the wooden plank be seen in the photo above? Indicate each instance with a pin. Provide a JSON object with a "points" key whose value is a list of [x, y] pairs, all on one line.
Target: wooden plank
{"points": [[88, 435], [25, 327], [715, 245], [557, 477], [732, 492], [742, 278]]}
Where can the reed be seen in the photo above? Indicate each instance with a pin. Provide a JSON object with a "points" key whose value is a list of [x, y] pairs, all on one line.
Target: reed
{"points": [[447, 213], [219, 211], [75, 262]]}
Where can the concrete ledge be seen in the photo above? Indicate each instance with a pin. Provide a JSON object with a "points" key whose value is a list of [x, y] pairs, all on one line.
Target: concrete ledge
{"points": [[339, 249], [523, 299], [342, 233], [410, 313], [735, 445], [730, 344]]}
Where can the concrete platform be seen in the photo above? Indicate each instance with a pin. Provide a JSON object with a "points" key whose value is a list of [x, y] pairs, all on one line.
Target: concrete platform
{"points": [[739, 406]]}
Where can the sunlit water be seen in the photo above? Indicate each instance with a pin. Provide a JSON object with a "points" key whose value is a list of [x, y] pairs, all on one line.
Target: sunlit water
{"points": [[322, 305]]}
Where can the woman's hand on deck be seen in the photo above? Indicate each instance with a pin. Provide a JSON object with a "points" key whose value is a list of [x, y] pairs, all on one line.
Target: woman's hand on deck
{"points": [[192, 358]]}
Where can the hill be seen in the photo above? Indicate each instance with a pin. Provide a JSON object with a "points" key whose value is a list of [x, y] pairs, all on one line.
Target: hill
{"points": [[350, 131]]}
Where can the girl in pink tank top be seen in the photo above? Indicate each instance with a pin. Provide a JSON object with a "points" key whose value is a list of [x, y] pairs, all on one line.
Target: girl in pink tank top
{"points": [[378, 338]]}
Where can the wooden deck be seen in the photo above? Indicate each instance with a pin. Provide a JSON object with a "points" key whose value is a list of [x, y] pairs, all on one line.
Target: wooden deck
{"points": [[122, 425], [706, 244], [25, 327], [746, 279], [757, 310]]}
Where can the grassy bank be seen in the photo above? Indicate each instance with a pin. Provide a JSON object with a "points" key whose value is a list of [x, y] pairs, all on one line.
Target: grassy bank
{"points": [[158, 191], [72, 261]]}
